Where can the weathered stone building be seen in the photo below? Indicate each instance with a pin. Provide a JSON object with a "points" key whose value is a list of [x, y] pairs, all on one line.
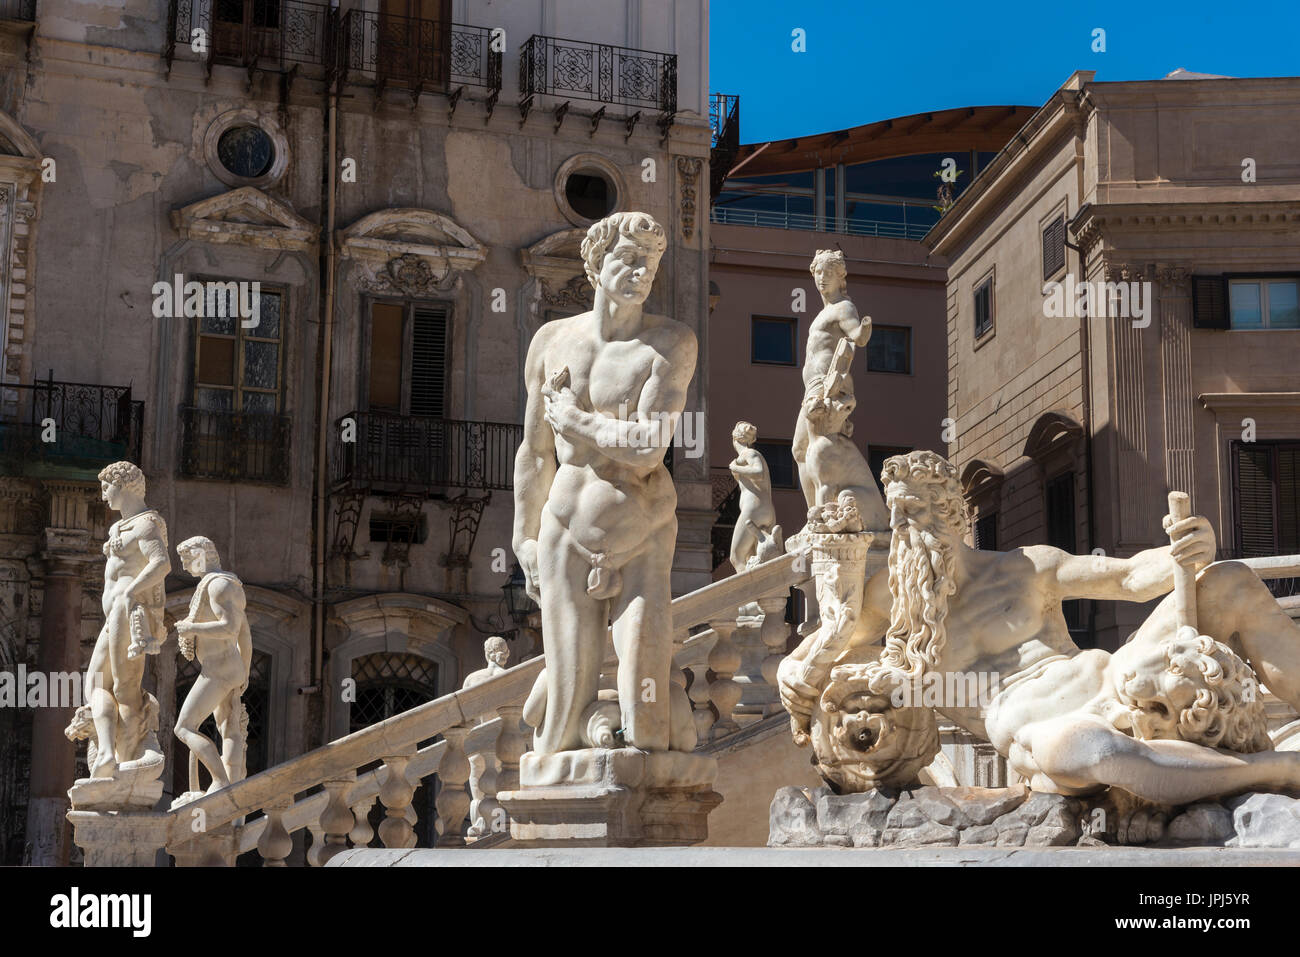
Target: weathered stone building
{"points": [[1071, 425], [407, 185]]}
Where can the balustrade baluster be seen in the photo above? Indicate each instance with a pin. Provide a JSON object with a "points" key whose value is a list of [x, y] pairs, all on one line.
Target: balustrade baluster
{"points": [[698, 692], [775, 634], [362, 833], [336, 820], [484, 808], [515, 741], [453, 798], [724, 690], [276, 842], [395, 830]]}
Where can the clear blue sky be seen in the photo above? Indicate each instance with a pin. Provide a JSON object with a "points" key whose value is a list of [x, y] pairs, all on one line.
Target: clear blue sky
{"points": [[870, 61]]}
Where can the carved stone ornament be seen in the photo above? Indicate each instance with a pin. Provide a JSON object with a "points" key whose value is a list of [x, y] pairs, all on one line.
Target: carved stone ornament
{"points": [[410, 275], [688, 167], [576, 291]]}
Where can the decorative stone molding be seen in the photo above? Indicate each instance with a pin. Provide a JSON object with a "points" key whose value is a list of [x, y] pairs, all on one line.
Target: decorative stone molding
{"points": [[688, 168], [20, 188], [409, 252], [595, 164], [1174, 280], [268, 124], [980, 478], [248, 217]]}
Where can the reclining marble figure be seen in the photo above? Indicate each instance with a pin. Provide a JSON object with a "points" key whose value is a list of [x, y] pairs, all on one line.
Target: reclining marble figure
{"points": [[1172, 717], [595, 535], [216, 632], [120, 720]]}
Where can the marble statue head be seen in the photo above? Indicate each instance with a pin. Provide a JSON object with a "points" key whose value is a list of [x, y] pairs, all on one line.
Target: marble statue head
{"points": [[118, 479], [744, 433], [621, 255], [1190, 688], [923, 490], [829, 270], [199, 555], [496, 651]]}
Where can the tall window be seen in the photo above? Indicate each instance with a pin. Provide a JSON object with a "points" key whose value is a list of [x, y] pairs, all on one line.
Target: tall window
{"points": [[408, 358], [780, 463], [984, 307], [1061, 529], [233, 427], [876, 456], [1267, 497], [415, 42], [1264, 303], [890, 349], [772, 340]]}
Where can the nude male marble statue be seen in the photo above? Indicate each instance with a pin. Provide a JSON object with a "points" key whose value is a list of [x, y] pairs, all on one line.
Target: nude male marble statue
{"points": [[216, 632], [1170, 717], [757, 537], [124, 716], [837, 322], [595, 534]]}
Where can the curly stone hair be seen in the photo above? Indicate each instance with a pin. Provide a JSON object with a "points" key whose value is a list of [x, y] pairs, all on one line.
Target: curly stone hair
{"points": [[203, 544], [745, 433], [1224, 714], [126, 475], [833, 258], [639, 227], [937, 477]]}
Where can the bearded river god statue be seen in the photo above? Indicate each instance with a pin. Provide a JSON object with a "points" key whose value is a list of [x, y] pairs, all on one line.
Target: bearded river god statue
{"points": [[1173, 717], [595, 530]]}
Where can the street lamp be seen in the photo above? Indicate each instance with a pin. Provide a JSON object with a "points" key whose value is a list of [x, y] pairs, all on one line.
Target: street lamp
{"points": [[518, 603]]}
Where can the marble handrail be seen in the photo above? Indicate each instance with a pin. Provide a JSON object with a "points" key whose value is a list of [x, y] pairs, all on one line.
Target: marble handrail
{"points": [[393, 735]]}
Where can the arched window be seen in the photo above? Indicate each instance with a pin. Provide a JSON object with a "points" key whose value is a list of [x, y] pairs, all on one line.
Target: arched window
{"points": [[388, 684]]}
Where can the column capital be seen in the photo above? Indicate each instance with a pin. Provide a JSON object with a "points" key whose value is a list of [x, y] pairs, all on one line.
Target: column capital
{"points": [[66, 550]]}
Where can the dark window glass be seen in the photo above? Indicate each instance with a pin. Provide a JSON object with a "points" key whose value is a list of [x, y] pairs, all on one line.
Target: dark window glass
{"points": [[772, 340], [986, 532], [780, 463], [590, 195], [877, 456], [246, 151], [984, 307], [1061, 526], [890, 349]]}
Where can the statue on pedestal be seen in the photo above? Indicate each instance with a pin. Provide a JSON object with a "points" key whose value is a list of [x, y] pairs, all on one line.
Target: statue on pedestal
{"points": [[497, 654], [757, 538], [120, 719], [216, 632], [1173, 716], [595, 536]]}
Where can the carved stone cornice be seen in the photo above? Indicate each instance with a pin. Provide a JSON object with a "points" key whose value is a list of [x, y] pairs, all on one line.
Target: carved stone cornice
{"points": [[247, 217], [688, 168], [408, 250], [576, 291]]}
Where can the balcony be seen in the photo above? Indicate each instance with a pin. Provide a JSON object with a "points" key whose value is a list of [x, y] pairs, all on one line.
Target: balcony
{"points": [[23, 11], [278, 36], [411, 454], [87, 427], [610, 75], [418, 55], [724, 123], [235, 446], [778, 219]]}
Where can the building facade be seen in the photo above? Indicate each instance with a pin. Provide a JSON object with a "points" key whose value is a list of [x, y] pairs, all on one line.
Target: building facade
{"points": [[873, 192], [1122, 322], [381, 202]]}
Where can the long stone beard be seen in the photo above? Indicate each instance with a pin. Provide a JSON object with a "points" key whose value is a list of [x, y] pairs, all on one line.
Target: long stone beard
{"points": [[921, 578]]}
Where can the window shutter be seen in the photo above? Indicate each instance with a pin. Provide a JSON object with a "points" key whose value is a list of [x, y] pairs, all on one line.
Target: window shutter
{"points": [[1288, 500], [429, 363], [1053, 247], [1255, 501], [1209, 306]]}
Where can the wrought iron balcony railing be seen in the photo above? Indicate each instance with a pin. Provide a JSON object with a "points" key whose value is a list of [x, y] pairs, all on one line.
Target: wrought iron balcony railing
{"points": [[274, 35], [235, 446], [620, 76], [724, 122], [417, 54], [410, 453], [69, 424], [24, 10]]}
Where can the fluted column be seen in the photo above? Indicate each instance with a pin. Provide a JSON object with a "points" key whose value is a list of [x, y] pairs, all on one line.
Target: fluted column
{"points": [[453, 797]]}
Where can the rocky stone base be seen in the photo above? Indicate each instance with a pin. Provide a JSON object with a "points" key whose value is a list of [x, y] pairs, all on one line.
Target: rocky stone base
{"points": [[1017, 817]]}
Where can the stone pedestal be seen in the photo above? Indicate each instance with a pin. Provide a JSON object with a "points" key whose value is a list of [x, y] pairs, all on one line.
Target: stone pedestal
{"points": [[119, 838], [621, 797]]}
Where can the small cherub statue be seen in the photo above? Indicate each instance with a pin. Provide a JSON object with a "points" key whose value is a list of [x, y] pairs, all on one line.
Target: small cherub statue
{"points": [[757, 537]]}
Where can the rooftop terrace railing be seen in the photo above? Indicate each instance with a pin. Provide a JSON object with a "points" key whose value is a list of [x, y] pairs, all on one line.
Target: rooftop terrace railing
{"points": [[777, 219]]}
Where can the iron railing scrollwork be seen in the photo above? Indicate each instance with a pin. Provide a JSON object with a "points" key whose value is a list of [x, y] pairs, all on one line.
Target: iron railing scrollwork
{"points": [[417, 53], [724, 122], [24, 10], [576, 69], [70, 423], [235, 446], [409, 453], [273, 35]]}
